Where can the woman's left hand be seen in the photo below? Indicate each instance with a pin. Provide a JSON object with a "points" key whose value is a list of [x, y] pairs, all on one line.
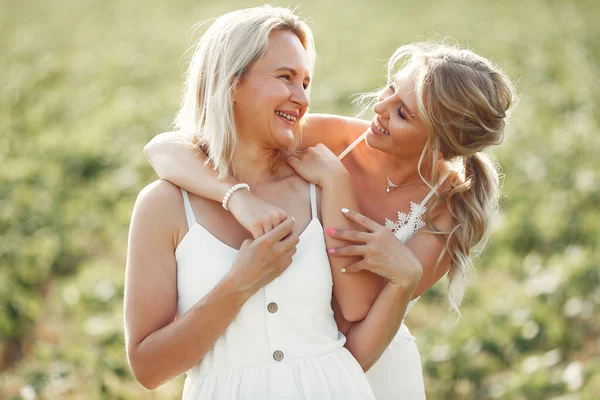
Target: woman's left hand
{"points": [[317, 165], [382, 253]]}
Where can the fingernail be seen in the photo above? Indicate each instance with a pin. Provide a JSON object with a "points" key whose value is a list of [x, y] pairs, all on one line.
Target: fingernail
{"points": [[345, 210], [330, 231], [331, 251], [293, 219], [343, 270]]}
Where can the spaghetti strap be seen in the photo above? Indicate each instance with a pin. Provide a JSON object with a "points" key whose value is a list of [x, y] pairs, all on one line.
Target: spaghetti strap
{"points": [[313, 200], [189, 213], [434, 190], [352, 145]]}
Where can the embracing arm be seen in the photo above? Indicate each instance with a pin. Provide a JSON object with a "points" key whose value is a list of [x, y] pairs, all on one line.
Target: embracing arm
{"points": [[159, 345], [177, 160], [334, 131], [354, 293], [409, 269]]}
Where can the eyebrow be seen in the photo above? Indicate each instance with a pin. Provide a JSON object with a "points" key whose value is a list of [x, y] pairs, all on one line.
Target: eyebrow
{"points": [[292, 71]]}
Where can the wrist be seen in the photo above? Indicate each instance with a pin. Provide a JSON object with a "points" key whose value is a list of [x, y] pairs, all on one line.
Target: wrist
{"points": [[231, 192], [240, 292], [237, 199], [336, 178], [406, 282]]}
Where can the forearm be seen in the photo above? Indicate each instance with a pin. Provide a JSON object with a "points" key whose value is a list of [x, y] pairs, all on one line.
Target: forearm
{"points": [[177, 347], [368, 339], [177, 160], [355, 293]]}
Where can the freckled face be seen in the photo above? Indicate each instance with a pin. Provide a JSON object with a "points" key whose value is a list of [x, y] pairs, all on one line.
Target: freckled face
{"points": [[397, 127], [271, 97]]}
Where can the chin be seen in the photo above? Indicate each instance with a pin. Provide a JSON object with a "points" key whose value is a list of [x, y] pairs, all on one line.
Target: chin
{"points": [[375, 140], [285, 141]]}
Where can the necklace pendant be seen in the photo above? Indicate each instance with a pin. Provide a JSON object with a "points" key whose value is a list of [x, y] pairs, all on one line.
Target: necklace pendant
{"points": [[390, 185]]}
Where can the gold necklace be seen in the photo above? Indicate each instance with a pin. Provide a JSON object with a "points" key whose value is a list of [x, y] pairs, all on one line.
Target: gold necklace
{"points": [[390, 184]]}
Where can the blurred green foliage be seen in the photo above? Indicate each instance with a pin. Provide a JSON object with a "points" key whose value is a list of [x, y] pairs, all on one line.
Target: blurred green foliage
{"points": [[85, 84]]}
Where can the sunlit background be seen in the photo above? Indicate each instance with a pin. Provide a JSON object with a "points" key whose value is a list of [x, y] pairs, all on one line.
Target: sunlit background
{"points": [[85, 84]]}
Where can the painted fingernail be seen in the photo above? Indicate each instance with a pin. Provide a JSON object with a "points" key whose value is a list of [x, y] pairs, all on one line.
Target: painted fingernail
{"points": [[331, 251], [345, 210], [330, 231], [343, 270]]}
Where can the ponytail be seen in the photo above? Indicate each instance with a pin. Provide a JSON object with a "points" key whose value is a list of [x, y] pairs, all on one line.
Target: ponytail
{"points": [[472, 204]]}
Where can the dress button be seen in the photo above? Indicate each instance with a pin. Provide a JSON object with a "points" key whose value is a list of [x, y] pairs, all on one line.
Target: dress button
{"points": [[278, 355], [272, 307]]}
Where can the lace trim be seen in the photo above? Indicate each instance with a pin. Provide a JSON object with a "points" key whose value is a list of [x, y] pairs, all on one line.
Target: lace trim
{"points": [[413, 220]]}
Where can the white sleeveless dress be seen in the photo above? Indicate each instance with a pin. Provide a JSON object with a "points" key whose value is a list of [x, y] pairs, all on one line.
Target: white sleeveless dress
{"points": [[284, 343], [398, 373]]}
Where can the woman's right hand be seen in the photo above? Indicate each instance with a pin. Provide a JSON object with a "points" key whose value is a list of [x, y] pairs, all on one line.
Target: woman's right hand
{"points": [[261, 260], [255, 214]]}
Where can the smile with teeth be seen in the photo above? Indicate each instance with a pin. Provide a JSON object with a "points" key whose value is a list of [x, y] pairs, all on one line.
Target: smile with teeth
{"points": [[286, 116], [380, 129]]}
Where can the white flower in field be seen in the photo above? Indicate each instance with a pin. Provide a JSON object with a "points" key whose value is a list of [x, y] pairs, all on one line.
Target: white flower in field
{"points": [[551, 358], [573, 376], [105, 290], [531, 364], [473, 346], [440, 353], [575, 254], [520, 316], [530, 330], [28, 393], [544, 283], [95, 326], [71, 295], [585, 180], [573, 307]]}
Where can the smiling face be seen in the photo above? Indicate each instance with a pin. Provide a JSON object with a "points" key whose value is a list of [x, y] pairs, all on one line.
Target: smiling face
{"points": [[397, 127], [271, 97]]}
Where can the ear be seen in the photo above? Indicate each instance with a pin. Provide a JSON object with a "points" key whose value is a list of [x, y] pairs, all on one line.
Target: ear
{"points": [[237, 83]]}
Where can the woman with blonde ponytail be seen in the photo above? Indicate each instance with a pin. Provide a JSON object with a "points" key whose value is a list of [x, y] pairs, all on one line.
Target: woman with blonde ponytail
{"points": [[426, 190]]}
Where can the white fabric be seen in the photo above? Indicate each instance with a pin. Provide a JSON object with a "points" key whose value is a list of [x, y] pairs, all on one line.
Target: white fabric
{"points": [[398, 373], [241, 364]]}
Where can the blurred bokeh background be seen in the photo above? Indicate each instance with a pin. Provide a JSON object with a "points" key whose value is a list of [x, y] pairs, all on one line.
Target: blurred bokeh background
{"points": [[84, 84]]}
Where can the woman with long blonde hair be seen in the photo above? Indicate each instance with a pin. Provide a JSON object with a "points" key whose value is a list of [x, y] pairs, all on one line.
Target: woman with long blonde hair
{"points": [[426, 190]]}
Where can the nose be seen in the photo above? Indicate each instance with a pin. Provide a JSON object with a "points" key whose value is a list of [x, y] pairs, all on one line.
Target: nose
{"points": [[382, 106], [299, 96]]}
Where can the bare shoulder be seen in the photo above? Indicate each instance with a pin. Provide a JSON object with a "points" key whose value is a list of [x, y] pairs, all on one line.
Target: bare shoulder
{"points": [[173, 137], [160, 201], [334, 131]]}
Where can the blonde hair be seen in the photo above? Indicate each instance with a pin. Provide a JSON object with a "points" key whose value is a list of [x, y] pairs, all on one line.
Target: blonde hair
{"points": [[464, 100], [221, 58]]}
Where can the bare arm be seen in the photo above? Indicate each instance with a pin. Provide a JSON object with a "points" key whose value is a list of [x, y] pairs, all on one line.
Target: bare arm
{"points": [[159, 345], [409, 270], [334, 131], [354, 293], [177, 160]]}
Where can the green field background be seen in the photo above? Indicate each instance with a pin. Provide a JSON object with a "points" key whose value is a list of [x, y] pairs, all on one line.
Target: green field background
{"points": [[85, 84]]}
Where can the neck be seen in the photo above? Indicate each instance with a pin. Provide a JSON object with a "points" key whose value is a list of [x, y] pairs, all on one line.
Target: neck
{"points": [[402, 170], [252, 163]]}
